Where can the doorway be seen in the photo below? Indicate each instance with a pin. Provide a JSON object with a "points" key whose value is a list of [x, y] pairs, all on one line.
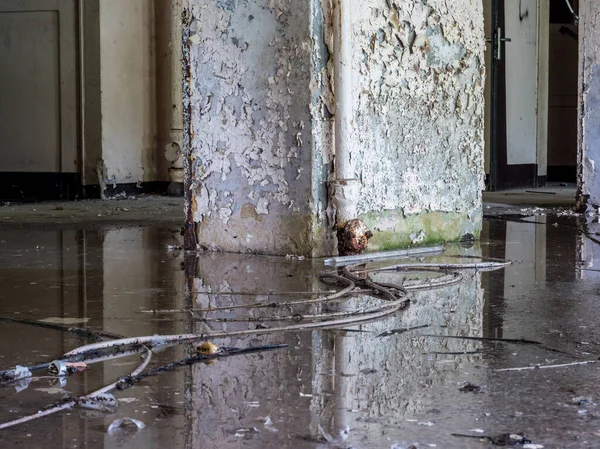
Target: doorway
{"points": [[531, 93]]}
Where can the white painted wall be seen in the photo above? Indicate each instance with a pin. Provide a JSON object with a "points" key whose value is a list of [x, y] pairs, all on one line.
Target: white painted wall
{"points": [[128, 92], [521, 81]]}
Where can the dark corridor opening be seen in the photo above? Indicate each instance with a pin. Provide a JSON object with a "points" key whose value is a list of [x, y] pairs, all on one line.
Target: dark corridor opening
{"points": [[562, 93]]}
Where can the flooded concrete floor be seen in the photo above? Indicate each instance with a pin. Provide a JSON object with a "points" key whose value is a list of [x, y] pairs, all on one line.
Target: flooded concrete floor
{"points": [[331, 388]]}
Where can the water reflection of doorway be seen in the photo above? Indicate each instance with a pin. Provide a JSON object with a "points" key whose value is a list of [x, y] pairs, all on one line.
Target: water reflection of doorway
{"points": [[543, 256]]}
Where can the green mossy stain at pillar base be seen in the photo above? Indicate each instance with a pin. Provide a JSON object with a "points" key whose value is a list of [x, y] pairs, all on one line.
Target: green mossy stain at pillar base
{"points": [[392, 230]]}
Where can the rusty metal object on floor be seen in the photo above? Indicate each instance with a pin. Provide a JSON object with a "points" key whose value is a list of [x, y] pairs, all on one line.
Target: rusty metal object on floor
{"points": [[353, 238]]}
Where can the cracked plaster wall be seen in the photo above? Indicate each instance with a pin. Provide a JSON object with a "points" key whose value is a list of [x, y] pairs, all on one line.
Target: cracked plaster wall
{"points": [[249, 124], [589, 103], [419, 113], [259, 113]]}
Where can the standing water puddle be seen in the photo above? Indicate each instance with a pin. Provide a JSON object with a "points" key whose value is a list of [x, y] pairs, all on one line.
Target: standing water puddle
{"points": [[397, 381]]}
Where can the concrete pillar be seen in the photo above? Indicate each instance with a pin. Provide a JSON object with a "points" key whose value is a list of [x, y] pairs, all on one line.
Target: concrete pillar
{"points": [[589, 106], [259, 107]]}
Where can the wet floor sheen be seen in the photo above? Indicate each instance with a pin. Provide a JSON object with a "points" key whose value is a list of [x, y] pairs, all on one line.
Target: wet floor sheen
{"points": [[329, 388]]}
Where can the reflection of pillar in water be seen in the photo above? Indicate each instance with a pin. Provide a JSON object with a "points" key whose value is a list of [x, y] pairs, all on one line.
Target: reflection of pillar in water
{"points": [[254, 400], [342, 372], [394, 376], [139, 273], [329, 404]]}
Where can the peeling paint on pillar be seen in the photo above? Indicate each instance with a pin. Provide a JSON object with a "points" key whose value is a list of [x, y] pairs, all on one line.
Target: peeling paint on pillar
{"points": [[252, 150], [419, 117], [589, 107], [259, 123]]}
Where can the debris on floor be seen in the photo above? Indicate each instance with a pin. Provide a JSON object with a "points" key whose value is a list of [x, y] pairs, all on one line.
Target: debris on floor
{"points": [[469, 387]]}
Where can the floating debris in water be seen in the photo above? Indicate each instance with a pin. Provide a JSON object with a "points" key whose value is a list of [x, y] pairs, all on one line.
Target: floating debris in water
{"points": [[103, 402], [581, 400], [268, 424], [246, 432], [207, 348], [294, 257], [124, 429], [469, 387], [20, 372], [505, 439], [123, 422], [340, 438]]}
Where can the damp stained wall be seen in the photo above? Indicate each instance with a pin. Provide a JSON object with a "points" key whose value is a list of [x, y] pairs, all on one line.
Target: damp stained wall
{"points": [[589, 104], [259, 108]]}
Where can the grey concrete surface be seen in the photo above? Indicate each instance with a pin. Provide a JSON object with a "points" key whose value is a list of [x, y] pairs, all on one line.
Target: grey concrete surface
{"points": [[143, 209], [553, 194]]}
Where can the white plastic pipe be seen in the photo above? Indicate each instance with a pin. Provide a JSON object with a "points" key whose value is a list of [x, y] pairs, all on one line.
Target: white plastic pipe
{"points": [[173, 151], [342, 58], [346, 186], [364, 258]]}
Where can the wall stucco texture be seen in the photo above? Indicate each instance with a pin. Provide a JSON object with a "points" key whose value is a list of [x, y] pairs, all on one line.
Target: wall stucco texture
{"points": [[260, 105]]}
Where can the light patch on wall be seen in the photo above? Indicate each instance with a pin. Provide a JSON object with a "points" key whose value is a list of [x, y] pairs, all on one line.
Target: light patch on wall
{"points": [[263, 206]]}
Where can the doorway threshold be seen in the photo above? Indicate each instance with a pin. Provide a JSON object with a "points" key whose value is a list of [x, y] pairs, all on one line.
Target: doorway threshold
{"points": [[552, 194]]}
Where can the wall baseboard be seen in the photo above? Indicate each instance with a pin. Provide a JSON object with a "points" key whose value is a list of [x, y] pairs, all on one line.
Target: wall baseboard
{"points": [[30, 187], [26, 187], [126, 189]]}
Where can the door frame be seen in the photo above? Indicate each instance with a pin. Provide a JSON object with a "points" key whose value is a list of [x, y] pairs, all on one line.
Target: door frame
{"points": [[501, 174]]}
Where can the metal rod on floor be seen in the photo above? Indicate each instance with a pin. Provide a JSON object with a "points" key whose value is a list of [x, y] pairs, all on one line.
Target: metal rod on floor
{"points": [[345, 260]]}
